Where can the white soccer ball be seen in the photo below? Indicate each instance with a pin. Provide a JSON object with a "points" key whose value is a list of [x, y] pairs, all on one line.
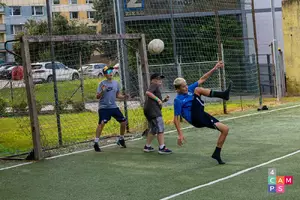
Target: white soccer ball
{"points": [[156, 46]]}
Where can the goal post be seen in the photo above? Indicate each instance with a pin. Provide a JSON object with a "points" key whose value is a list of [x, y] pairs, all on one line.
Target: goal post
{"points": [[37, 41]]}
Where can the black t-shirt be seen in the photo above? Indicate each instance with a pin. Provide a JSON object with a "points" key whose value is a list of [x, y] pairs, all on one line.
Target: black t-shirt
{"points": [[151, 108]]}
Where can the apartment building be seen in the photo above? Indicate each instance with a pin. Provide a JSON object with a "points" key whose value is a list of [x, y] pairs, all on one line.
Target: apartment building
{"points": [[81, 10], [2, 36], [15, 14]]}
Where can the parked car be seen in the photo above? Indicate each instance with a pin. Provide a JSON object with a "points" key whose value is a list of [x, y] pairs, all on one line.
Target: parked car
{"points": [[4, 71], [93, 69], [42, 72], [116, 70]]}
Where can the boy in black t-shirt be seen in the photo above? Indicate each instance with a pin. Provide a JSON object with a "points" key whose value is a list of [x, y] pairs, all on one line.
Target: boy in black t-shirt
{"points": [[152, 111]]}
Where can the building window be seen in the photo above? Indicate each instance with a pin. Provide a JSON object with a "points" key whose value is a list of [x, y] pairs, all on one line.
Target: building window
{"points": [[72, 1], [56, 2], [73, 15], [91, 14], [15, 29], [15, 11], [37, 10], [89, 1]]}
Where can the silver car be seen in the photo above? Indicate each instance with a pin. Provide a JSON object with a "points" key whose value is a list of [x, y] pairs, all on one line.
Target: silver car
{"points": [[93, 69]]}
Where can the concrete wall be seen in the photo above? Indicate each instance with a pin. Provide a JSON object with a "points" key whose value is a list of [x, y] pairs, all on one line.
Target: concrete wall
{"points": [[291, 33]]}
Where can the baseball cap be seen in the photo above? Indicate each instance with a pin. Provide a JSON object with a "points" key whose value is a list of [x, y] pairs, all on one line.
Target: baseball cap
{"points": [[156, 75], [107, 70]]}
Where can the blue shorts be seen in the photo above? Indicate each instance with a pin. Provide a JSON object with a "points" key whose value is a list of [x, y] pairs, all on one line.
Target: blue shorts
{"points": [[106, 114], [199, 117]]}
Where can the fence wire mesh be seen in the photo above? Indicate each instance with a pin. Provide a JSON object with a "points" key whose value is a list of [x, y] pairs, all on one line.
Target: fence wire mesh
{"points": [[196, 35]]}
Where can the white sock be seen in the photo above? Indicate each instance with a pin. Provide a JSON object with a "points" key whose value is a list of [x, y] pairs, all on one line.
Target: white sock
{"points": [[96, 140], [148, 145], [121, 136], [161, 146]]}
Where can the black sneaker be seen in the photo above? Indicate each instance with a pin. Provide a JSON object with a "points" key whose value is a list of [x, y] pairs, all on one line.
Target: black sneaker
{"points": [[148, 149], [121, 142], [96, 147], [164, 150]]}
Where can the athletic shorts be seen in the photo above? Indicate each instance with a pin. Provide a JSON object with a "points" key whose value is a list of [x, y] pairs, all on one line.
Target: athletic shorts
{"points": [[106, 114], [199, 117], [156, 125]]}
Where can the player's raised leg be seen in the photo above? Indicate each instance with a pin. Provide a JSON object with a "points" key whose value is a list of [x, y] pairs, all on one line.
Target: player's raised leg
{"points": [[212, 93]]}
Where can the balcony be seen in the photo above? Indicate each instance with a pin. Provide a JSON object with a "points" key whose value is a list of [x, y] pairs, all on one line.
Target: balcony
{"points": [[2, 28]]}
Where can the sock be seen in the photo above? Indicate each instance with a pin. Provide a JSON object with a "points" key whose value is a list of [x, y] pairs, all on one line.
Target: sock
{"points": [[148, 145], [216, 155], [161, 146], [96, 140], [121, 137], [223, 95]]}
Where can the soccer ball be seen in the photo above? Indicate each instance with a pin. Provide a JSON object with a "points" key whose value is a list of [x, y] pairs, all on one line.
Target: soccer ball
{"points": [[156, 46]]}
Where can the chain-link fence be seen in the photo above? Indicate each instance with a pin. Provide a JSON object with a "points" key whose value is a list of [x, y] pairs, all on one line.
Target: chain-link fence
{"points": [[196, 35]]}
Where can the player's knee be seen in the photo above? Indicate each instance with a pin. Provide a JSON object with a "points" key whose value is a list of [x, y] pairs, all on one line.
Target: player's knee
{"points": [[225, 130]]}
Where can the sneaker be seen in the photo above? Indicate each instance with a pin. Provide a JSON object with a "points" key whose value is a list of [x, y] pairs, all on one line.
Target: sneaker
{"points": [[121, 142], [164, 150], [148, 149], [96, 147]]}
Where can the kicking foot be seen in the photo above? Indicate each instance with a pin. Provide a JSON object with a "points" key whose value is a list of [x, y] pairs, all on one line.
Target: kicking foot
{"points": [[148, 149], [164, 150], [218, 158], [121, 142], [96, 147], [227, 91]]}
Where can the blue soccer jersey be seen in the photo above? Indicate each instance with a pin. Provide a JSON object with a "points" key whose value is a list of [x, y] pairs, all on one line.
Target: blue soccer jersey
{"points": [[183, 103]]}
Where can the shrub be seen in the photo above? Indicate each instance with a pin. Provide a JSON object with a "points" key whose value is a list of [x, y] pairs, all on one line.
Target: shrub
{"points": [[39, 106], [3, 106], [78, 106], [20, 107], [62, 105]]}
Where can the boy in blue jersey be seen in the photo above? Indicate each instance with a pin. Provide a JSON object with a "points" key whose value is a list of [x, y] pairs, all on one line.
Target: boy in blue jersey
{"points": [[107, 92], [188, 104]]}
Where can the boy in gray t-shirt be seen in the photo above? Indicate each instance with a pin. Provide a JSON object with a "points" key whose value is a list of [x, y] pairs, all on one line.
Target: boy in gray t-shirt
{"points": [[107, 92], [152, 111]]}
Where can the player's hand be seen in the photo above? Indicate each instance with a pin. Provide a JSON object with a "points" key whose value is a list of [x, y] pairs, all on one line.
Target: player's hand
{"points": [[219, 65], [103, 88], [180, 140], [159, 102], [167, 98], [126, 96]]}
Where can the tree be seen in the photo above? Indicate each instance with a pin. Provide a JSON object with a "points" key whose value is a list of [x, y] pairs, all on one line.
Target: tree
{"points": [[105, 14], [66, 52]]}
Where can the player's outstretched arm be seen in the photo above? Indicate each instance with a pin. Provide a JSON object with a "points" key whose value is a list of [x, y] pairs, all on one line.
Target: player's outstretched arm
{"points": [[152, 96], [208, 74], [179, 131], [122, 96]]}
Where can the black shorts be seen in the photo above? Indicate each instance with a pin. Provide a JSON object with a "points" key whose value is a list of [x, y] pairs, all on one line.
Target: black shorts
{"points": [[199, 117], [106, 114]]}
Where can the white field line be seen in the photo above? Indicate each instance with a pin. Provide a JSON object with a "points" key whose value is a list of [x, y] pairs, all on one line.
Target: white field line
{"points": [[228, 177]]}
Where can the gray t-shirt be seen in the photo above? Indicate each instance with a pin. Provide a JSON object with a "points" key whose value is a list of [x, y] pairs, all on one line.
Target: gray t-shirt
{"points": [[151, 108], [108, 100]]}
